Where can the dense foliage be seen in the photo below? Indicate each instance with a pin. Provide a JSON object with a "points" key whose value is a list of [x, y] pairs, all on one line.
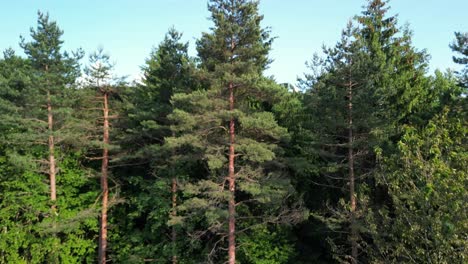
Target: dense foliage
{"points": [[207, 160]]}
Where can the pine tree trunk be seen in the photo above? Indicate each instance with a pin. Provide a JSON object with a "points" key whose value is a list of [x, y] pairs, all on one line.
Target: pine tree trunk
{"points": [[52, 172], [104, 184], [232, 183], [52, 165], [174, 213], [352, 196]]}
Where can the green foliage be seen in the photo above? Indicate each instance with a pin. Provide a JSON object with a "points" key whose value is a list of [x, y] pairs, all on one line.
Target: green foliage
{"points": [[267, 245], [239, 19], [460, 46], [292, 149], [147, 189], [427, 181], [138, 235], [233, 54], [30, 233], [376, 63], [339, 102], [46, 56], [99, 71]]}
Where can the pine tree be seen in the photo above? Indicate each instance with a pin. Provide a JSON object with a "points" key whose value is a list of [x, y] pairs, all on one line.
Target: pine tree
{"points": [[54, 71], [13, 85], [99, 78], [233, 133], [44, 116]]}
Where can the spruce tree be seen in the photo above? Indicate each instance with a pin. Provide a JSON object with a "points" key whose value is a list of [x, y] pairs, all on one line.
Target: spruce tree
{"points": [[341, 120], [407, 100], [380, 78], [396, 71], [460, 46], [156, 170]]}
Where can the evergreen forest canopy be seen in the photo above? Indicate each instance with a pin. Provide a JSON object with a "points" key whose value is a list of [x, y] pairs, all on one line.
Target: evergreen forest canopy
{"points": [[207, 160]]}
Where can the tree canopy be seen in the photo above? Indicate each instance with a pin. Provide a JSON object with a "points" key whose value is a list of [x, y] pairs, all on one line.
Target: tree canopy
{"points": [[206, 159]]}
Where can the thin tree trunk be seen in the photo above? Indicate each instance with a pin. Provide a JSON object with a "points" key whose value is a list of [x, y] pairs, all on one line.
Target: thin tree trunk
{"points": [[104, 184], [174, 213], [52, 165], [52, 169], [232, 183], [52, 172], [352, 196]]}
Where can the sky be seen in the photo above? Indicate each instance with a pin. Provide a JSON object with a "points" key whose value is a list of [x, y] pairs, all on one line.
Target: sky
{"points": [[129, 29]]}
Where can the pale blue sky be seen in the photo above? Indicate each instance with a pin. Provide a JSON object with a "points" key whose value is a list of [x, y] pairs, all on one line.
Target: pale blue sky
{"points": [[128, 29]]}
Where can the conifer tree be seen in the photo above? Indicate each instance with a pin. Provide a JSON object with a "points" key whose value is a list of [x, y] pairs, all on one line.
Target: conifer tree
{"points": [[53, 71], [169, 71], [14, 83], [156, 168], [397, 68], [425, 180], [50, 231], [205, 151], [460, 46], [341, 121], [233, 134], [99, 78], [381, 76]]}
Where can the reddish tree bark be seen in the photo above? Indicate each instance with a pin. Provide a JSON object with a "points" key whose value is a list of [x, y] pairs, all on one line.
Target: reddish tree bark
{"points": [[51, 143], [104, 183]]}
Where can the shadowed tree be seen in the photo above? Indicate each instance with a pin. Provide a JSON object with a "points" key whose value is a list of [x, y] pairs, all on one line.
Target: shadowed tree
{"points": [[156, 169], [460, 46]]}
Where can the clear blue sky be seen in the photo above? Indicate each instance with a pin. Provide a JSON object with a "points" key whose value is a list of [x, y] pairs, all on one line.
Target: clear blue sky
{"points": [[128, 29]]}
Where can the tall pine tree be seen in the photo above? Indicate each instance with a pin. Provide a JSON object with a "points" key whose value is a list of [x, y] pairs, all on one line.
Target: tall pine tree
{"points": [[234, 134], [55, 223], [99, 78], [53, 72]]}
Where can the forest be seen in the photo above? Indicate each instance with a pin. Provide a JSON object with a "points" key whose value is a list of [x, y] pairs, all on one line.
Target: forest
{"points": [[207, 160]]}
